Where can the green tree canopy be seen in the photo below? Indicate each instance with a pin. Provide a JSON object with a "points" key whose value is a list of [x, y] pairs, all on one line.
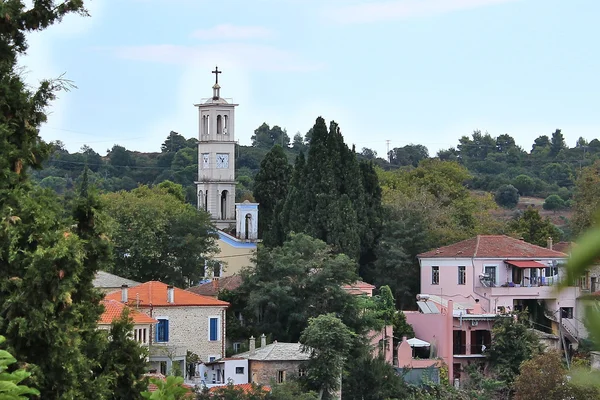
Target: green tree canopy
{"points": [[512, 343], [533, 228], [156, 236], [507, 196], [329, 342], [289, 284]]}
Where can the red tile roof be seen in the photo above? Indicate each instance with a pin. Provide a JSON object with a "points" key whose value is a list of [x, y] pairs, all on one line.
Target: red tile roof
{"points": [[565, 247], [212, 288], [155, 293], [492, 246], [114, 309]]}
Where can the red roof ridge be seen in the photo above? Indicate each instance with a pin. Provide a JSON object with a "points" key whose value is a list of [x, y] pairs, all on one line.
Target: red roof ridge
{"points": [[154, 293]]}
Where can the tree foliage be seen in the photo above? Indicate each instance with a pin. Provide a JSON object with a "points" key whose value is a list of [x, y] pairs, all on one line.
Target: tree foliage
{"points": [[533, 228], [157, 236], [124, 360], [507, 196], [294, 282], [329, 342], [10, 382], [270, 190], [512, 343]]}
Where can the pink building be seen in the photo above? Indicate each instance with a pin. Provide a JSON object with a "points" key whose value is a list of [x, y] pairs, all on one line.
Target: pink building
{"points": [[467, 284]]}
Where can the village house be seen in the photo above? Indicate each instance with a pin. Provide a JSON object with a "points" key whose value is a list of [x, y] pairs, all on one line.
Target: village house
{"points": [[185, 322], [265, 365], [467, 285], [142, 324]]}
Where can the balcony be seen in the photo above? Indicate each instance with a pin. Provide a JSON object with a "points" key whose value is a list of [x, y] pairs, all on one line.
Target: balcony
{"points": [[534, 292]]}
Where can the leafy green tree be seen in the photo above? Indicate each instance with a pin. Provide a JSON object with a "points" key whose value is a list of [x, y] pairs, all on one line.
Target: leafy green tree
{"points": [[512, 343], [507, 196], [524, 184], [124, 360], [173, 143], [371, 378], [301, 279], [120, 157], [156, 236], [265, 136], [408, 155], [533, 228], [554, 202], [10, 382], [270, 191], [541, 378], [329, 342], [170, 388]]}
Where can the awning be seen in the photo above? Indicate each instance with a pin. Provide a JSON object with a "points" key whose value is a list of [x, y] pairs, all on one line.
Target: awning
{"points": [[525, 264], [414, 342]]}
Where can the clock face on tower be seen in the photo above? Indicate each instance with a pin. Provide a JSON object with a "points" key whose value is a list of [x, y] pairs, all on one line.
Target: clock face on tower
{"points": [[222, 160], [205, 160]]}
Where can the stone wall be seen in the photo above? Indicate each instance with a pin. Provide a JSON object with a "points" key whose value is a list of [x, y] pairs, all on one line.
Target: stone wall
{"points": [[188, 328], [266, 372]]}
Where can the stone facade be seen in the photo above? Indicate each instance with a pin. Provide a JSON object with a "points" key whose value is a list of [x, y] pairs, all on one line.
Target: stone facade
{"points": [[189, 330], [268, 372]]}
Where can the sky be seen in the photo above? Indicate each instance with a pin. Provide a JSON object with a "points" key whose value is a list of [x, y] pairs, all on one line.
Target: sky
{"points": [[404, 71]]}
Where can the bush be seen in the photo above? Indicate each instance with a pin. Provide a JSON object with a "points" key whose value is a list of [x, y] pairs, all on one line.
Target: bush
{"points": [[507, 196], [554, 202]]}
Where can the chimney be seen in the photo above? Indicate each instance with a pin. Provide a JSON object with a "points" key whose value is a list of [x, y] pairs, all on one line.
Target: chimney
{"points": [[252, 344], [263, 340], [215, 284], [549, 242], [124, 293], [170, 294]]}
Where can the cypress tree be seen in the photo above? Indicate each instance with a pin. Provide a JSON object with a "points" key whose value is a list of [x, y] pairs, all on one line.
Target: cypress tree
{"points": [[270, 190]]}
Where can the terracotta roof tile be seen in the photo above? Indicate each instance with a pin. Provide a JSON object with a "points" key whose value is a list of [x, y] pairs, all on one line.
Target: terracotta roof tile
{"points": [[155, 293], [114, 309], [492, 246], [212, 288]]}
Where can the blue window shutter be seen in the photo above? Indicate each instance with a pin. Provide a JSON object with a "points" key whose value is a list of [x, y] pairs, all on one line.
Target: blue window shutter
{"points": [[213, 328], [166, 330]]}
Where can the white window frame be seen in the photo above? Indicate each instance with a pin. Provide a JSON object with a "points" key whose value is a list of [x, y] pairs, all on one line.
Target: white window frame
{"points": [[214, 357], [496, 272], [219, 338]]}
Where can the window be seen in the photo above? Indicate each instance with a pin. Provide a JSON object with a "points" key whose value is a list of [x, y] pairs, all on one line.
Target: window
{"points": [[490, 271], [213, 329], [280, 376], [211, 359], [239, 370], [217, 270], [435, 275], [302, 372], [567, 312], [162, 330], [462, 275], [139, 335], [236, 347]]}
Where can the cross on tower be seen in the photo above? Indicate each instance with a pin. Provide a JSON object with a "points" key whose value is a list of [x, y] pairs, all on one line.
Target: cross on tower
{"points": [[217, 72]]}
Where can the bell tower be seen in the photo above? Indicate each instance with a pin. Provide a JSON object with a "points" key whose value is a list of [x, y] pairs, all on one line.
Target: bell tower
{"points": [[216, 161]]}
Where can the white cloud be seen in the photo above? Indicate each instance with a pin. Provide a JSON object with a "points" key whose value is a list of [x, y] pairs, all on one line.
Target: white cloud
{"points": [[228, 31], [246, 56], [400, 9]]}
